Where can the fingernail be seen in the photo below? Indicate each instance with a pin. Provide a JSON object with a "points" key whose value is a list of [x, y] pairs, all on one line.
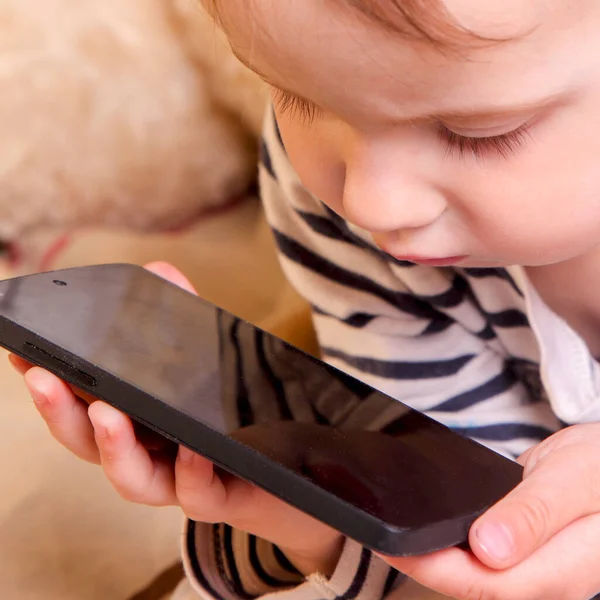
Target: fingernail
{"points": [[186, 456], [496, 540]]}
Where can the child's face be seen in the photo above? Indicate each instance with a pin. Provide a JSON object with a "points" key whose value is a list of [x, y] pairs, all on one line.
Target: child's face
{"points": [[495, 157]]}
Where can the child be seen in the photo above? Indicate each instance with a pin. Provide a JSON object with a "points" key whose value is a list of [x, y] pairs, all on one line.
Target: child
{"points": [[430, 173]]}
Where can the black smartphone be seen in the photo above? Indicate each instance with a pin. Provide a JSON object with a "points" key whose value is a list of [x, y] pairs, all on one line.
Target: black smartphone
{"points": [[379, 472]]}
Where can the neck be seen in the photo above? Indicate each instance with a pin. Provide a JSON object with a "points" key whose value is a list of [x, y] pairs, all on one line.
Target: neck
{"points": [[570, 289]]}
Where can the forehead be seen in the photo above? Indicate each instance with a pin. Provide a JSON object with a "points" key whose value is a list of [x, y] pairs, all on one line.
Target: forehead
{"points": [[306, 46]]}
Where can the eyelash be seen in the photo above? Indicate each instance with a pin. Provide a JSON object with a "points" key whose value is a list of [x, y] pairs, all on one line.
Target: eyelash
{"points": [[295, 106], [503, 145]]}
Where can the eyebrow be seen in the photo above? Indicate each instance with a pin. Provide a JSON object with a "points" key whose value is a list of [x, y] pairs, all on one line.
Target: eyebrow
{"points": [[500, 113], [249, 65], [455, 116]]}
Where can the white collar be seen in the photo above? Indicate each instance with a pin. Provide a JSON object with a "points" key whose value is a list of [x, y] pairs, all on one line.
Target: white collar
{"points": [[569, 372]]}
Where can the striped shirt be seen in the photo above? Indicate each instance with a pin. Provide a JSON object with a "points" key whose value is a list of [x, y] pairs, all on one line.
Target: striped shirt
{"points": [[476, 349]]}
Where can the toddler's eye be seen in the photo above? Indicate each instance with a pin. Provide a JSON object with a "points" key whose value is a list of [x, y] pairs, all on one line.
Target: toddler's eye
{"points": [[295, 106], [504, 144]]}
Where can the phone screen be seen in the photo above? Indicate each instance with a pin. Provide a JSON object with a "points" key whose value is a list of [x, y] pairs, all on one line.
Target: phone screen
{"points": [[345, 437]]}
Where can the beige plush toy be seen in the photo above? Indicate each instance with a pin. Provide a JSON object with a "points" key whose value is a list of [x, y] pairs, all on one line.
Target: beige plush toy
{"points": [[127, 114]]}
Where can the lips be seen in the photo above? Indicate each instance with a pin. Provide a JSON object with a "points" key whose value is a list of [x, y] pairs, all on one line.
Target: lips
{"points": [[432, 262]]}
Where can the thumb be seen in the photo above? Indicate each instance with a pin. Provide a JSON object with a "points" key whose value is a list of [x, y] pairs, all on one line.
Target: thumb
{"points": [[171, 274], [558, 490]]}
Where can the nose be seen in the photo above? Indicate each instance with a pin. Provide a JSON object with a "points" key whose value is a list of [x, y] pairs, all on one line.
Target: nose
{"points": [[389, 187]]}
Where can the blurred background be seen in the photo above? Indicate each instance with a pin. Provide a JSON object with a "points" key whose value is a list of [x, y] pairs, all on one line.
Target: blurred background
{"points": [[64, 533], [129, 134]]}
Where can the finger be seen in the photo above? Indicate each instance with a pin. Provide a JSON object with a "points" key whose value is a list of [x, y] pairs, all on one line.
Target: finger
{"points": [[170, 273], [563, 569], [212, 496], [20, 365], [149, 438], [452, 572], [136, 474], [64, 415], [538, 508], [522, 460], [200, 491]]}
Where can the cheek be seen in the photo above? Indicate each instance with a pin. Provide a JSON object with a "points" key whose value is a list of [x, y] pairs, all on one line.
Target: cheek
{"points": [[544, 207], [314, 151]]}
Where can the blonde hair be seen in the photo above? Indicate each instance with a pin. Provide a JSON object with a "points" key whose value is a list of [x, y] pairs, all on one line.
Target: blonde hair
{"points": [[426, 20]]}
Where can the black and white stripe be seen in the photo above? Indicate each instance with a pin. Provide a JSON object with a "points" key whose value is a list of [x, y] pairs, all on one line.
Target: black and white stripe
{"points": [[456, 344]]}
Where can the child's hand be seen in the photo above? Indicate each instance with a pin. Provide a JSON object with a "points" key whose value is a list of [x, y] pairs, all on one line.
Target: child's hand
{"points": [[149, 470], [541, 542]]}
